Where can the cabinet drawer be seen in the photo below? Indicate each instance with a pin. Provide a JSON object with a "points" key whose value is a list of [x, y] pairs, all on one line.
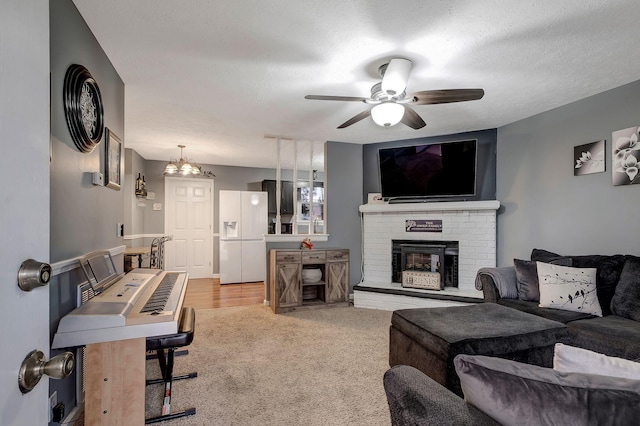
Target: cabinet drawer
{"points": [[288, 257], [313, 257], [337, 256]]}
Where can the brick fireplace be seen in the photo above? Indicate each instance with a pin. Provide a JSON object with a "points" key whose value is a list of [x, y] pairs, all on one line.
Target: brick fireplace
{"points": [[471, 225]]}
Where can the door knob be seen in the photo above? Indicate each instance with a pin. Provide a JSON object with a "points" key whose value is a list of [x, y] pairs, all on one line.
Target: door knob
{"points": [[33, 274], [34, 366]]}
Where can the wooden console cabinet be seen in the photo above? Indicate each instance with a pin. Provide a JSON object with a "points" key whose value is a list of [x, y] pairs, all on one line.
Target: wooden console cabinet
{"points": [[288, 289]]}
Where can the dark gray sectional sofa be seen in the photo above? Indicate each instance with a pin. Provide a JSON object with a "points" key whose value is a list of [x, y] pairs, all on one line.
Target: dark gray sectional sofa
{"points": [[416, 399], [617, 332]]}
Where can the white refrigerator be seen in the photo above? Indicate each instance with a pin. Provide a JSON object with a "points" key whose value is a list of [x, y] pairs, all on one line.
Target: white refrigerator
{"points": [[243, 222]]}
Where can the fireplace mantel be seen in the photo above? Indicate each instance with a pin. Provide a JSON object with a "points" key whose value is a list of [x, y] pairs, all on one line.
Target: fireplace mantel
{"points": [[425, 207]]}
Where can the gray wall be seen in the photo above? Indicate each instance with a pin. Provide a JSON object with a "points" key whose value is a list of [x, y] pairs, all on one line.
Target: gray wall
{"points": [[134, 214], [83, 217], [544, 205], [486, 163]]}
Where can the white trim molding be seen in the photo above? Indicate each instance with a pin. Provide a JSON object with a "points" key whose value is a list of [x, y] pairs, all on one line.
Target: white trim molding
{"points": [[71, 264]]}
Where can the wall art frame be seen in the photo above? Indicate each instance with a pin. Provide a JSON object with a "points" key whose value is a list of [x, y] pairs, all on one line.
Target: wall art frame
{"points": [[625, 150], [589, 158], [112, 160]]}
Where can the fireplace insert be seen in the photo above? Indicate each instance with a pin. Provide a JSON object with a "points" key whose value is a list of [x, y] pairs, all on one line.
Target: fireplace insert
{"points": [[422, 255]]}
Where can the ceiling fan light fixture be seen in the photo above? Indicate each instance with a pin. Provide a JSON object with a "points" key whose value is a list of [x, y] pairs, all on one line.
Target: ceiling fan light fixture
{"points": [[396, 75], [387, 114]]}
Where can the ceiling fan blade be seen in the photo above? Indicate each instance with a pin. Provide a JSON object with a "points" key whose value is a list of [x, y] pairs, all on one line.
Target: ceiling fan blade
{"points": [[364, 114], [428, 97], [335, 98], [412, 119], [395, 77]]}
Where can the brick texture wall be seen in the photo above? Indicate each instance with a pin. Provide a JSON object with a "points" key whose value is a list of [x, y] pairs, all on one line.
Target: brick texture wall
{"points": [[475, 231]]}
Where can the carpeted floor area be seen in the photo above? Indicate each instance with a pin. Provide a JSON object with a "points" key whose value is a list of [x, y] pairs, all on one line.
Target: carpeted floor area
{"points": [[320, 367]]}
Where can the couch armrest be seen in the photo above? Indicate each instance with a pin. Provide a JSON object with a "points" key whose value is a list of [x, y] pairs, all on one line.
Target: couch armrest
{"points": [[497, 283], [489, 289], [416, 399]]}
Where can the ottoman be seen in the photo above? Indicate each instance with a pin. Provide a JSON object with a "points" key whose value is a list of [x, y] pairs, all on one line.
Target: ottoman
{"points": [[429, 338]]}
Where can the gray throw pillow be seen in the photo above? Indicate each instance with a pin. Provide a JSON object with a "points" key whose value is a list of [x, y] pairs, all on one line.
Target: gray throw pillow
{"points": [[527, 277], [511, 392], [626, 299]]}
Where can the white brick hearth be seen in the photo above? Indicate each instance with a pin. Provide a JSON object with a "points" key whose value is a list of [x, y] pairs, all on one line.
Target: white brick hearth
{"points": [[472, 224]]}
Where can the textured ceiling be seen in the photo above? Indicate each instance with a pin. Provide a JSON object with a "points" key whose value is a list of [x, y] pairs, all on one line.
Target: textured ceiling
{"points": [[218, 75]]}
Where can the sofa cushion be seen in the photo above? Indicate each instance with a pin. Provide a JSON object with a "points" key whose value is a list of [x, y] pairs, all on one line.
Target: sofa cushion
{"points": [[569, 359], [611, 335], [626, 299], [609, 269], [548, 313], [527, 277], [570, 289], [511, 392]]}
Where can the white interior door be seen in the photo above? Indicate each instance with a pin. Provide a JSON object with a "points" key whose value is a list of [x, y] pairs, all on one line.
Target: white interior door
{"points": [[24, 132], [188, 218]]}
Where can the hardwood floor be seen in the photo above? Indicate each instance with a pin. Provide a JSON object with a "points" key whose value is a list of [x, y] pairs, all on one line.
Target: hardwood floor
{"points": [[208, 293]]}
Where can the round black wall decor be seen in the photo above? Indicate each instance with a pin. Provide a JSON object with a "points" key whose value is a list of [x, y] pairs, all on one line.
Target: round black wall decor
{"points": [[83, 108]]}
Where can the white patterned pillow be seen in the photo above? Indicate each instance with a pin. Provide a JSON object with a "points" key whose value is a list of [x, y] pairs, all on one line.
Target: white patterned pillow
{"points": [[570, 289]]}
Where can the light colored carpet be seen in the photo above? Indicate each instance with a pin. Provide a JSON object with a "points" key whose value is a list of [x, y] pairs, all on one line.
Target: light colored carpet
{"points": [[320, 367]]}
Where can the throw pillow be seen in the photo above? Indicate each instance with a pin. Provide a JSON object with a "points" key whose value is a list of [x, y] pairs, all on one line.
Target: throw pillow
{"points": [[539, 255], [527, 277], [609, 268], [570, 289], [626, 299], [514, 393], [527, 280], [569, 359]]}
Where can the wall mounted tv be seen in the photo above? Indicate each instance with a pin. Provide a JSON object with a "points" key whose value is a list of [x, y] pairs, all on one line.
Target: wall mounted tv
{"points": [[436, 170]]}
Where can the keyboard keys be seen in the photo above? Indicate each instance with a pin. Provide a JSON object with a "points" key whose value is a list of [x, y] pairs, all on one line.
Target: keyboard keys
{"points": [[158, 299]]}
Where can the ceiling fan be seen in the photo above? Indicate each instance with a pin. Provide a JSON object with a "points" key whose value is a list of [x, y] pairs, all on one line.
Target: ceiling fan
{"points": [[391, 105]]}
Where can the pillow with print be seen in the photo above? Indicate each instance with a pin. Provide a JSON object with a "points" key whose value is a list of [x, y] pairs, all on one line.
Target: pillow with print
{"points": [[569, 289]]}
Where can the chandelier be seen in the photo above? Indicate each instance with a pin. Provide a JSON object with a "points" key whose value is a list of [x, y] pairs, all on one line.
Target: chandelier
{"points": [[183, 166]]}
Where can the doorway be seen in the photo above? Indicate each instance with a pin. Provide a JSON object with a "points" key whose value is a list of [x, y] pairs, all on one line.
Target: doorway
{"points": [[188, 219]]}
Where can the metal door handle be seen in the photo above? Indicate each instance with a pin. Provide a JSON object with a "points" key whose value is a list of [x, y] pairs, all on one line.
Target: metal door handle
{"points": [[33, 274], [34, 366]]}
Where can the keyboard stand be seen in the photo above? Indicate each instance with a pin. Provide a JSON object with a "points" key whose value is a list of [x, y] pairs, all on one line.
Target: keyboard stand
{"points": [[115, 383]]}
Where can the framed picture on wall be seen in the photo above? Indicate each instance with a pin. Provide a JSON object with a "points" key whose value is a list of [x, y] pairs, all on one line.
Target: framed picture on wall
{"points": [[626, 153], [589, 158], [113, 159]]}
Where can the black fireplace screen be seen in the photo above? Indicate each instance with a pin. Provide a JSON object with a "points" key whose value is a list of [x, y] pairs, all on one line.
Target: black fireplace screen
{"points": [[432, 256]]}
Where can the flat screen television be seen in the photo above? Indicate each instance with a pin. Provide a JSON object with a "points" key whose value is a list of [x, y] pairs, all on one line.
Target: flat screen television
{"points": [[436, 170]]}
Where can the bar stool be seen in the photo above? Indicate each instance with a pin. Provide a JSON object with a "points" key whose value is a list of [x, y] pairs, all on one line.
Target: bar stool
{"points": [[165, 347]]}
